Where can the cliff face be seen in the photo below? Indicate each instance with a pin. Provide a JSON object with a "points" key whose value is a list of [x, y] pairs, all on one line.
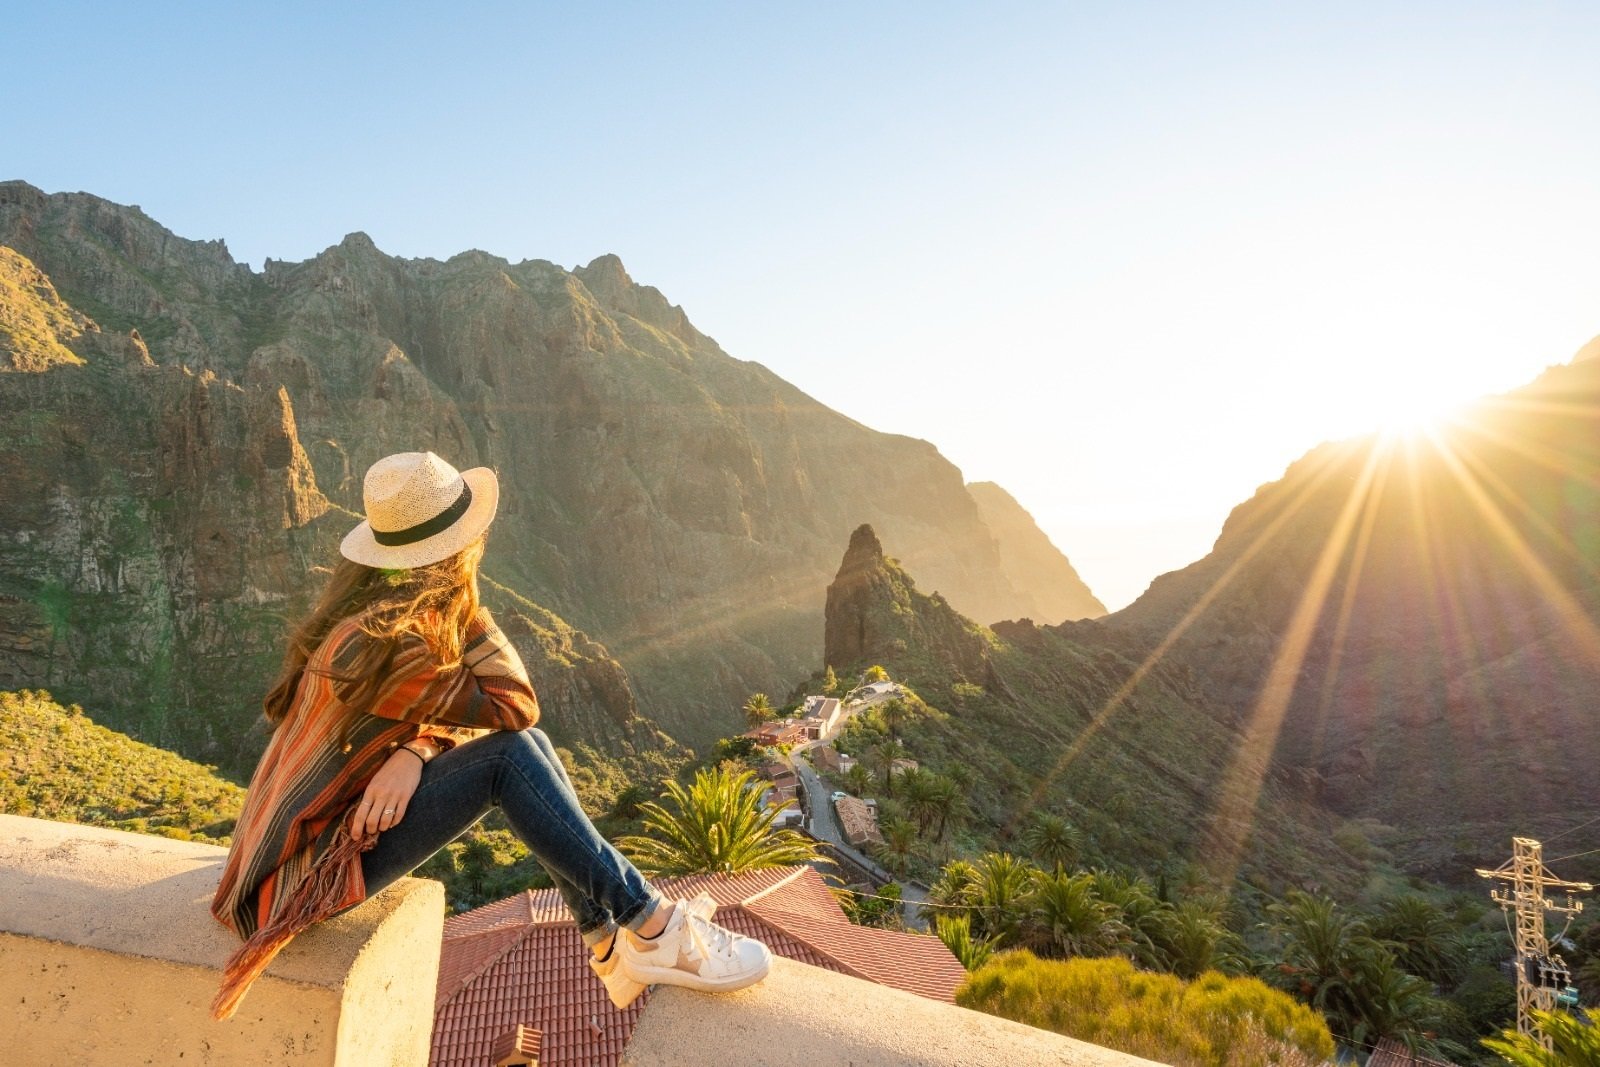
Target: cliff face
{"points": [[876, 614], [1406, 631], [1415, 625], [1070, 720], [1034, 566], [679, 504]]}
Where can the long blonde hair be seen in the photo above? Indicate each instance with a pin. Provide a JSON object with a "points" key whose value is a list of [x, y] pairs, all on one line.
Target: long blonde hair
{"points": [[434, 602]]}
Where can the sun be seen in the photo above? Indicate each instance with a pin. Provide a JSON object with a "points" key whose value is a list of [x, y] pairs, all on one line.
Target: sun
{"points": [[1414, 417]]}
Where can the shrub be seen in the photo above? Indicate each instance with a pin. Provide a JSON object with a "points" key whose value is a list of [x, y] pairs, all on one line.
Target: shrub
{"points": [[1214, 1021]]}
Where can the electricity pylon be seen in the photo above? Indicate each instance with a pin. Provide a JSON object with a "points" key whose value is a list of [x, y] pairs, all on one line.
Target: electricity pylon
{"points": [[1540, 976]]}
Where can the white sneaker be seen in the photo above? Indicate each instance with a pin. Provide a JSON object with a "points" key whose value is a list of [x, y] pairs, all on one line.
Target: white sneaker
{"points": [[619, 987], [695, 953]]}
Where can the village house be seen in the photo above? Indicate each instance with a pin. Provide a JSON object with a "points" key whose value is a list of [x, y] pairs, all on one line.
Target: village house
{"points": [[828, 758], [860, 823], [819, 715], [901, 766], [779, 732], [782, 777]]}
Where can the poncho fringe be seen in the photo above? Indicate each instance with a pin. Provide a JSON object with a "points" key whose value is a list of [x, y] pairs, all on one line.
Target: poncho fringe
{"points": [[314, 899]]}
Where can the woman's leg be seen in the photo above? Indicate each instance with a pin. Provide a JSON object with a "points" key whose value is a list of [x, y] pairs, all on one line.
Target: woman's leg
{"points": [[569, 892], [518, 771]]}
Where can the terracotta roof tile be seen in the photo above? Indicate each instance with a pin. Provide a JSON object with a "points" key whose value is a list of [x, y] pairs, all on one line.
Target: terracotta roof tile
{"points": [[520, 961], [1390, 1053]]}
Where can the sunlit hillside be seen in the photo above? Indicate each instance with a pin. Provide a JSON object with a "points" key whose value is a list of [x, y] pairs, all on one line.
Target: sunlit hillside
{"points": [[1409, 625], [57, 763]]}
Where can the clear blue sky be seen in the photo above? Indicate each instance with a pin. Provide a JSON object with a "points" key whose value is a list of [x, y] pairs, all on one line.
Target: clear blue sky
{"points": [[1128, 260]]}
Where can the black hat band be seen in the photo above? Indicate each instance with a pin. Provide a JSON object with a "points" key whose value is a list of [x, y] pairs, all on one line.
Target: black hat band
{"points": [[423, 530]]}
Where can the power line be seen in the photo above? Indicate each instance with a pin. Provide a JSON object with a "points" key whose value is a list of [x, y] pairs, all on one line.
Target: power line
{"points": [[1572, 830], [918, 903], [1575, 855]]}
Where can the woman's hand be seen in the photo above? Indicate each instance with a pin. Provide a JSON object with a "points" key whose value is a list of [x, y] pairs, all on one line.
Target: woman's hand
{"points": [[391, 787]]}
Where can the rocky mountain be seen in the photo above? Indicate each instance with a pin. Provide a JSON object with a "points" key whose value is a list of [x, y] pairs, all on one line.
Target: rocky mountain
{"points": [[1401, 637], [1413, 625], [1034, 565], [185, 439], [1075, 722]]}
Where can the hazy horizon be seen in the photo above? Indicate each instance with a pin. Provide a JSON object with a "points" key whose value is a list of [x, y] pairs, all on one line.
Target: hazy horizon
{"points": [[1128, 263]]}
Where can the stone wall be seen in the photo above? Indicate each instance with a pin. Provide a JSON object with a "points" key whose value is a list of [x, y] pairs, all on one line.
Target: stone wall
{"points": [[109, 953]]}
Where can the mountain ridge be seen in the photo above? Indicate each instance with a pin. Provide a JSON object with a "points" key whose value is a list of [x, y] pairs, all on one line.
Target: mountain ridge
{"points": [[676, 503]]}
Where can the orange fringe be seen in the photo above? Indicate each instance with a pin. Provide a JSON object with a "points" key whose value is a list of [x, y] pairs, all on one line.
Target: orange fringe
{"points": [[314, 899]]}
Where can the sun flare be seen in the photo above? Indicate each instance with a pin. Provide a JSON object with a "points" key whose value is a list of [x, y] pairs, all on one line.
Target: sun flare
{"points": [[1414, 417]]}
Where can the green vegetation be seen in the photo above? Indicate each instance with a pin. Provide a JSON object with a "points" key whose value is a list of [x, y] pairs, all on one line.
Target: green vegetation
{"points": [[757, 709], [1352, 968], [717, 824], [880, 908], [36, 322], [1214, 1021], [1330, 960], [1574, 1044], [55, 763], [1014, 904]]}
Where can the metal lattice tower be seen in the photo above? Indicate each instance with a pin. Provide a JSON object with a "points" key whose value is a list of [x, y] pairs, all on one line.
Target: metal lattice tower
{"points": [[1528, 879]]}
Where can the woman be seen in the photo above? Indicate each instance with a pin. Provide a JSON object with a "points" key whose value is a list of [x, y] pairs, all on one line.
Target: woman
{"points": [[401, 716]]}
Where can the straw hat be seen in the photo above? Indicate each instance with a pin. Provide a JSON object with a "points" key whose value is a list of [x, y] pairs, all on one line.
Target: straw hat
{"points": [[420, 510]]}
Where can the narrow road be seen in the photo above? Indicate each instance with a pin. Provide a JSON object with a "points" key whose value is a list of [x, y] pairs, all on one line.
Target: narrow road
{"points": [[824, 825]]}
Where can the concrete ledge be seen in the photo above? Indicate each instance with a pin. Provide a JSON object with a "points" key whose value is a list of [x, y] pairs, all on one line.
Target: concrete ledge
{"points": [[109, 953], [801, 1016]]}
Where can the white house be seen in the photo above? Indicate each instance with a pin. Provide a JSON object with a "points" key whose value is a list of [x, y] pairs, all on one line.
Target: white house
{"points": [[821, 714]]}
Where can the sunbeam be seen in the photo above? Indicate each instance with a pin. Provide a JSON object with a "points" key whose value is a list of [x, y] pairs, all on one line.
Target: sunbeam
{"points": [[1329, 462], [1241, 783], [1583, 629], [1352, 585]]}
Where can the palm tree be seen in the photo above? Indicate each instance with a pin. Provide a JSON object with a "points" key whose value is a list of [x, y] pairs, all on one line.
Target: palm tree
{"points": [[894, 713], [1328, 960], [476, 861], [858, 778], [1066, 918], [626, 804], [1194, 940], [883, 754], [718, 825], [949, 799], [956, 933], [956, 884], [1392, 1003], [1053, 842], [757, 710], [1573, 1043], [1140, 910], [921, 790], [899, 838], [999, 895], [1423, 939]]}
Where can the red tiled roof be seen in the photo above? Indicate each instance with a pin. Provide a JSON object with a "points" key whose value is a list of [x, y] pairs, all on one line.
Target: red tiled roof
{"points": [[520, 961], [1391, 1053]]}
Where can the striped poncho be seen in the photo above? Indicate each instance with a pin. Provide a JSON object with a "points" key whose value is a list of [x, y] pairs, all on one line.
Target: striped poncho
{"points": [[293, 861]]}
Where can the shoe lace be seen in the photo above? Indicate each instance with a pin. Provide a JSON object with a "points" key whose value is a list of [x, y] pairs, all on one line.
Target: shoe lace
{"points": [[709, 939]]}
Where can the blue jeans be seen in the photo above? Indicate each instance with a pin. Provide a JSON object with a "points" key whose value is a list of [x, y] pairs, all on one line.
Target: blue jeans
{"points": [[519, 771]]}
